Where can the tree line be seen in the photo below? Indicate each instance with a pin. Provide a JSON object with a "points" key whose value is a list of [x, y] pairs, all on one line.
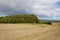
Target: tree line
{"points": [[21, 18]]}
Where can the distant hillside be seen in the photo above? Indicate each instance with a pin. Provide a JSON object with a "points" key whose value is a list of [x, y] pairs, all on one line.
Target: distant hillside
{"points": [[50, 20], [24, 18], [21, 18]]}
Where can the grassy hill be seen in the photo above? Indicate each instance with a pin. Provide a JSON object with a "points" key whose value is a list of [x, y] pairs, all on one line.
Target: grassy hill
{"points": [[21, 18], [24, 18]]}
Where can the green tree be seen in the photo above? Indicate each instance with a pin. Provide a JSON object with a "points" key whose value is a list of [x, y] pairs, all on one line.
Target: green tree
{"points": [[22, 18]]}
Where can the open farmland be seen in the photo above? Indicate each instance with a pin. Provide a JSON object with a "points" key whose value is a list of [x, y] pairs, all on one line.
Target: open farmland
{"points": [[29, 32]]}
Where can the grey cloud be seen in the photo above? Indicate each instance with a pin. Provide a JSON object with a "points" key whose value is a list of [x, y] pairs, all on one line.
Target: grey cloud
{"points": [[9, 7]]}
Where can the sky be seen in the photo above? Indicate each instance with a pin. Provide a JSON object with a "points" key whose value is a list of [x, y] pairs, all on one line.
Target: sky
{"points": [[44, 9]]}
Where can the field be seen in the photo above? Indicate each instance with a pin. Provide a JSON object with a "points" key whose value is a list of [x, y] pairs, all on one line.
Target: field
{"points": [[29, 32]]}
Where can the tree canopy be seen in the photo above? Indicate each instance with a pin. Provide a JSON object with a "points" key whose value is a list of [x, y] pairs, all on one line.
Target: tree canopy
{"points": [[21, 18]]}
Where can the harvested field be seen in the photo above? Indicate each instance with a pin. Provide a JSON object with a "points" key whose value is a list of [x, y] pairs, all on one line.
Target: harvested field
{"points": [[29, 32]]}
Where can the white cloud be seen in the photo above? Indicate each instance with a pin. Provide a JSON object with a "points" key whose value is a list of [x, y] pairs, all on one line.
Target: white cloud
{"points": [[45, 7]]}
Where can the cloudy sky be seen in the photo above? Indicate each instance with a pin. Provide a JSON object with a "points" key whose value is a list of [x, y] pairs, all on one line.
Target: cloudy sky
{"points": [[44, 9]]}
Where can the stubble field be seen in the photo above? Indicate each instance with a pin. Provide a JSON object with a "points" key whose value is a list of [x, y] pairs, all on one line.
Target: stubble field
{"points": [[29, 32]]}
